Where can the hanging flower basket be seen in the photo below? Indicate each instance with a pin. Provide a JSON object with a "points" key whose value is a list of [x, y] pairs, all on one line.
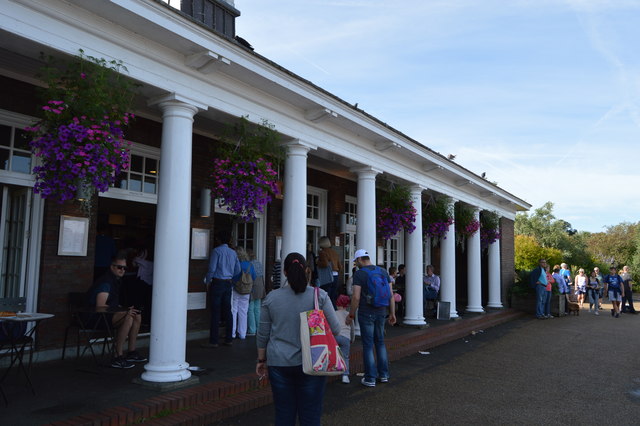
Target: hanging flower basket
{"points": [[244, 188], [80, 140], [437, 218], [466, 223], [395, 212], [244, 177], [489, 228]]}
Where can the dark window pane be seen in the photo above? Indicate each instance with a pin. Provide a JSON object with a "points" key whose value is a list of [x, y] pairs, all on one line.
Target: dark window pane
{"points": [[5, 135], [136, 163], [4, 159], [21, 162], [21, 139], [151, 166]]}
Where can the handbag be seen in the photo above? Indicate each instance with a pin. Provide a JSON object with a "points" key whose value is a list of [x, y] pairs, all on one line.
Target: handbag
{"points": [[321, 355]]}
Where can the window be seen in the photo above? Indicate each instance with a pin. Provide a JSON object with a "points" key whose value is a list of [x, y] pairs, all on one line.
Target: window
{"points": [[140, 181], [245, 235], [142, 175], [317, 208], [351, 211], [15, 154], [313, 206]]}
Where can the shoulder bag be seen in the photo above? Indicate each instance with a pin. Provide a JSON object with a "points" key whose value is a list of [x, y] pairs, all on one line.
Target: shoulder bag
{"points": [[321, 355]]}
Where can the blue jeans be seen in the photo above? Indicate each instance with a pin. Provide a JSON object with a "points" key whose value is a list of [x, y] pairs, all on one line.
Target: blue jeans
{"points": [[253, 316], [372, 335], [296, 394], [220, 298], [593, 297], [541, 297], [547, 304]]}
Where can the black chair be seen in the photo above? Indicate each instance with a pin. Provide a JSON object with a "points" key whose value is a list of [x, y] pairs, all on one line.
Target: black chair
{"points": [[12, 335], [77, 306]]}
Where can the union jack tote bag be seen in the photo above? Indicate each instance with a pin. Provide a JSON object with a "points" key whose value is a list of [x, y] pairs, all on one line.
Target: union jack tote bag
{"points": [[321, 355]]}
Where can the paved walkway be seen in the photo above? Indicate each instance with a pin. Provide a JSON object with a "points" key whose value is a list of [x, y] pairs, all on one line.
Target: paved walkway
{"points": [[83, 393], [565, 371]]}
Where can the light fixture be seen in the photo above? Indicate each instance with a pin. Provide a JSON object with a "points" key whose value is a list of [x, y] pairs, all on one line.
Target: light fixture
{"points": [[205, 202]]}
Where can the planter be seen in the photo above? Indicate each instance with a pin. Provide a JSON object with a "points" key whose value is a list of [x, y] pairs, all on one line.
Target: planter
{"points": [[527, 303]]}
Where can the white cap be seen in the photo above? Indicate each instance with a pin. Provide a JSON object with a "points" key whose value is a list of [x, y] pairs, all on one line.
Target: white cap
{"points": [[360, 253]]}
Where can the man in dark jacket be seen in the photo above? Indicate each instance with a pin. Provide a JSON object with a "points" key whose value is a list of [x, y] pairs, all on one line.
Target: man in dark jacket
{"points": [[538, 280]]}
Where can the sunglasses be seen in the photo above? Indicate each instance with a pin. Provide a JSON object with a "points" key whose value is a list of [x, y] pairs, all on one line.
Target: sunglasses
{"points": [[121, 267]]}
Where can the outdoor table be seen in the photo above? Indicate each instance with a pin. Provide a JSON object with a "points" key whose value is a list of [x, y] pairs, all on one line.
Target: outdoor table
{"points": [[18, 344]]}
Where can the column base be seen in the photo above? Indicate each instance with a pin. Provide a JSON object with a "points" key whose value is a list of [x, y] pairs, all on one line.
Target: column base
{"points": [[414, 322], [166, 386], [166, 374], [495, 305], [475, 309]]}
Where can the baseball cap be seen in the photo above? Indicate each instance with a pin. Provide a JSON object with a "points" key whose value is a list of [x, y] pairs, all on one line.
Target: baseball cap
{"points": [[360, 253]]}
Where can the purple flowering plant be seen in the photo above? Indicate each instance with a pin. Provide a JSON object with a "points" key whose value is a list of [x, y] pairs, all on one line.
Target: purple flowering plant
{"points": [[244, 178], [80, 139], [437, 217], [489, 228], [466, 223], [395, 212]]}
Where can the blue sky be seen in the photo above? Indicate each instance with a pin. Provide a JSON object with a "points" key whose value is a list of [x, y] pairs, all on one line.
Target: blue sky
{"points": [[542, 95]]}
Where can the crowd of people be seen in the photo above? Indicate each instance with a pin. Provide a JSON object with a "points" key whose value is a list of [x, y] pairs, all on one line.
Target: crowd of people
{"points": [[592, 286]]}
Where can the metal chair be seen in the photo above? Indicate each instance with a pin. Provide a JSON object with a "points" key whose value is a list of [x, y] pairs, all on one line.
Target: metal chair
{"points": [[12, 335], [76, 305]]}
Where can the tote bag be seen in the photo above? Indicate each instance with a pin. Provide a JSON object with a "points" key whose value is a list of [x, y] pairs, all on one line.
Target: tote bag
{"points": [[321, 355]]}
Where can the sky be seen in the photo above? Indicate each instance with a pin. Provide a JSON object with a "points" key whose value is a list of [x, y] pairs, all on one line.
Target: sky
{"points": [[542, 95]]}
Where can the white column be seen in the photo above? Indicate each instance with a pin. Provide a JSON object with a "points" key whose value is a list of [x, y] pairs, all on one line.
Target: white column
{"points": [[171, 265], [366, 211], [448, 268], [413, 259], [294, 205], [474, 272], [495, 297]]}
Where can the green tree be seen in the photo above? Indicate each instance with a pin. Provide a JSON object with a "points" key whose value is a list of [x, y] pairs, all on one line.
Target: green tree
{"points": [[550, 232], [528, 252]]}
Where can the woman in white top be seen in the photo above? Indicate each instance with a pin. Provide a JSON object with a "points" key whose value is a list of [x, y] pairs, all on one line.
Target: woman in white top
{"points": [[581, 282]]}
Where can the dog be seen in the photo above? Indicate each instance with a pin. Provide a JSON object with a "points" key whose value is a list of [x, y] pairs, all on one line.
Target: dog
{"points": [[572, 306]]}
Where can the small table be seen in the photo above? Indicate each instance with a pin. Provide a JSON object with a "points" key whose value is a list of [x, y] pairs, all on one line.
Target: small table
{"points": [[18, 344]]}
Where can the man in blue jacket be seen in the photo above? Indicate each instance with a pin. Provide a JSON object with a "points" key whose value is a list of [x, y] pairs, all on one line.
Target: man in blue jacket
{"points": [[538, 280]]}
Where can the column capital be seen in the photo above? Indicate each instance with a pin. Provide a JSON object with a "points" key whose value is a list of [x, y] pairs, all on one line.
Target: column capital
{"points": [[365, 171], [176, 99], [299, 146], [417, 189]]}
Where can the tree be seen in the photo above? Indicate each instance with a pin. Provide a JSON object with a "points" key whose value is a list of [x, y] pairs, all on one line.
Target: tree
{"points": [[528, 252], [550, 232], [617, 246]]}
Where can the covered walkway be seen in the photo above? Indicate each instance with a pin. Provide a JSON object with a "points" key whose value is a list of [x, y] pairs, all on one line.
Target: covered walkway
{"points": [[80, 393]]}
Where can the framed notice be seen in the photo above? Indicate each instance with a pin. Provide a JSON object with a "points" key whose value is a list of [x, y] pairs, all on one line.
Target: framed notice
{"points": [[73, 236], [199, 243], [444, 310]]}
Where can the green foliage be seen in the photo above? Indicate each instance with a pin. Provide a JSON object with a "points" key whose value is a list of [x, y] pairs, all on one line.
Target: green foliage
{"points": [[438, 209], [88, 87], [246, 141], [397, 197], [489, 219], [528, 252]]}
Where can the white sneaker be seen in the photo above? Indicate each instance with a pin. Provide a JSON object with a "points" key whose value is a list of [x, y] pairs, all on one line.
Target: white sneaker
{"points": [[345, 379], [597, 313]]}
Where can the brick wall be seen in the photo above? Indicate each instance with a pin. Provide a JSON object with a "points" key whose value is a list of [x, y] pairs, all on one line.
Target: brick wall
{"points": [[507, 257]]}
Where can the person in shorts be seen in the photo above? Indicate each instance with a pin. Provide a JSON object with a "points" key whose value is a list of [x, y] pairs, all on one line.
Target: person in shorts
{"points": [[614, 287]]}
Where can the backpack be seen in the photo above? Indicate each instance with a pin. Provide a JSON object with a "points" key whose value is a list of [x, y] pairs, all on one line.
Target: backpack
{"points": [[245, 284], [378, 290]]}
